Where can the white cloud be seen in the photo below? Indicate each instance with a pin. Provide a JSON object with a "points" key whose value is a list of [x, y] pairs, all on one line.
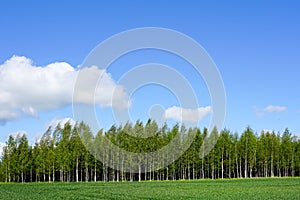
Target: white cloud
{"points": [[269, 109], [30, 111], [187, 115], [1, 148], [28, 89], [7, 115], [272, 108], [107, 93]]}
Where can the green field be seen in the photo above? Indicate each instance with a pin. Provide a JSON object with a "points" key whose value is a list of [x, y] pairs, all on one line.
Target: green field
{"points": [[272, 188]]}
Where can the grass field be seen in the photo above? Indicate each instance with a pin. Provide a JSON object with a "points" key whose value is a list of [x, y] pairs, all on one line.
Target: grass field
{"points": [[272, 188]]}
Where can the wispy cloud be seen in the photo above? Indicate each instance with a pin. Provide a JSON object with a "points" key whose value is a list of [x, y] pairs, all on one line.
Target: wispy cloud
{"points": [[270, 109], [26, 89], [187, 115]]}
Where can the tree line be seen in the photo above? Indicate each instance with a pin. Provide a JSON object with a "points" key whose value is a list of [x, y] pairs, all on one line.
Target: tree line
{"points": [[61, 154]]}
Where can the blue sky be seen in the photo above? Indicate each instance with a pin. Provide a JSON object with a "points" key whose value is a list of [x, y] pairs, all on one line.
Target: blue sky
{"points": [[255, 45]]}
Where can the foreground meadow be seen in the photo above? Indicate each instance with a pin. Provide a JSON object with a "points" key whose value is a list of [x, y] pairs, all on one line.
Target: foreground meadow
{"points": [[272, 188]]}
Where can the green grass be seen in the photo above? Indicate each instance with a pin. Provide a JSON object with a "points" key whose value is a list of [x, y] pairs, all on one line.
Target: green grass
{"points": [[272, 188]]}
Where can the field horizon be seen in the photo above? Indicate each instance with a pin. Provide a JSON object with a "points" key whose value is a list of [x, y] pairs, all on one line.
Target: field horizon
{"points": [[250, 188]]}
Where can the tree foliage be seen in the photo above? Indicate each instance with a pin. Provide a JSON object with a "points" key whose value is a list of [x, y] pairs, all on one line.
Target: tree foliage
{"points": [[72, 153]]}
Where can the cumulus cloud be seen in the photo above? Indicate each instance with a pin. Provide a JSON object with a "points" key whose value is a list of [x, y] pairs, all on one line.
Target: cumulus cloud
{"points": [[187, 115], [7, 115], [28, 89], [107, 93], [270, 109]]}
